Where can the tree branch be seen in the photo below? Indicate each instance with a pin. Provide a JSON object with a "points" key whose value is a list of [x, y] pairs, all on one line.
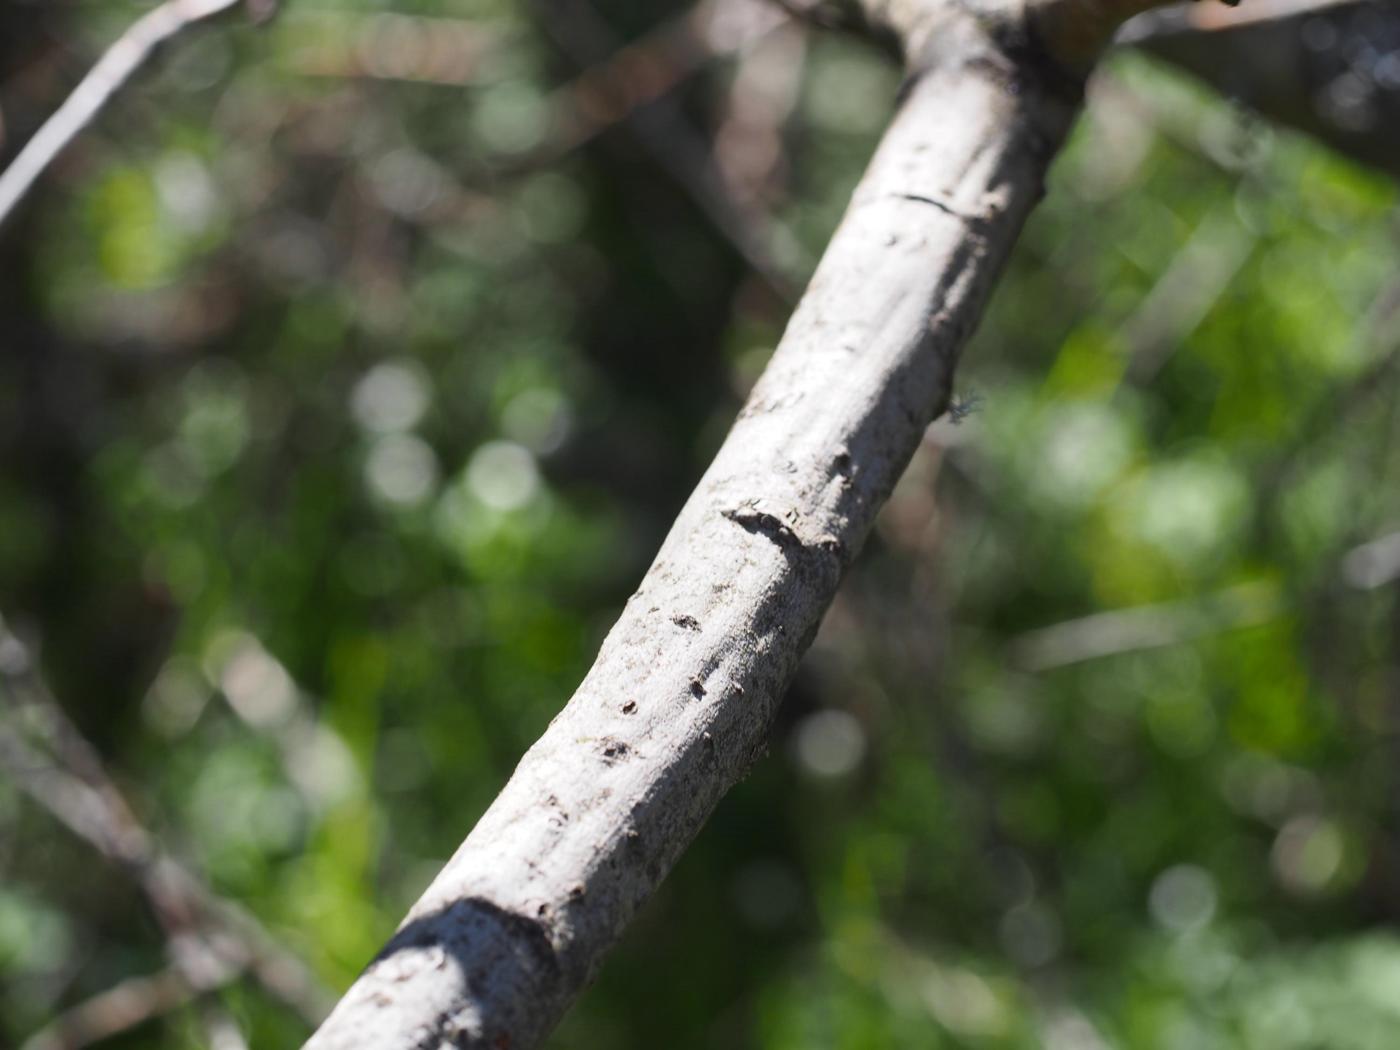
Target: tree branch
{"points": [[680, 701], [116, 66]]}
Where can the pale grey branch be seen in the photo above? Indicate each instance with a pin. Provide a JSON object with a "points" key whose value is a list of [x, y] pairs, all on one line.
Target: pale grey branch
{"points": [[681, 699]]}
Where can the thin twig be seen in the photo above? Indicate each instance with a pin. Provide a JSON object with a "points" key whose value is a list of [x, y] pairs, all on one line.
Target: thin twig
{"points": [[207, 934], [418, 49], [1145, 627], [678, 149], [1263, 60], [1378, 329], [1182, 297], [639, 73], [118, 1009], [764, 92], [116, 66]]}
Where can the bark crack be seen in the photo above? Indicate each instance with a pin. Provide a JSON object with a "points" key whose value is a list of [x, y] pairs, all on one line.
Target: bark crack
{"points": [[977, 223]]}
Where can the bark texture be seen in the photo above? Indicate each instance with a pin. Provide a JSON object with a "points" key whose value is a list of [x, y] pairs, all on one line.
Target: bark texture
{"points": [[683, 693]]}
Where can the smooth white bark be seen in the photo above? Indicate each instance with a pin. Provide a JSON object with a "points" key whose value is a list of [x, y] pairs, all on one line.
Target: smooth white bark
{"points": [[680, 701]]}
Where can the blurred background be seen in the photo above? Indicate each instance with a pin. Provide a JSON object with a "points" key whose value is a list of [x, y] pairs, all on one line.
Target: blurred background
{"points": [[353, 366]]}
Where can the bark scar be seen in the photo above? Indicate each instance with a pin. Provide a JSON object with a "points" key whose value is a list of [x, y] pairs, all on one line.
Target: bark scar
{"points": [[763, 523]]}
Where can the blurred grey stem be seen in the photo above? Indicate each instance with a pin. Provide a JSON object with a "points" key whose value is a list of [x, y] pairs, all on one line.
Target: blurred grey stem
{"points": [[680, 701], [116, 66]]}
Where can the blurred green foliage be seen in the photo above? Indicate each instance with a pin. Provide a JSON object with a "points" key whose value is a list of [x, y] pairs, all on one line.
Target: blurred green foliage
{"points": [[342, 406]]}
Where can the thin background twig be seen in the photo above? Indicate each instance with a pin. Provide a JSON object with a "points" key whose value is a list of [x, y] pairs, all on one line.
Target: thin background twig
{"points": [[210, 940], [116, 66]]}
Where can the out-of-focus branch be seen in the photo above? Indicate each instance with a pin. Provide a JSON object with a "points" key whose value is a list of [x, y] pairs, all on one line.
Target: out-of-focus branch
{"points": [[1144, 627], [1378, 334], [132, 1003], [210, 939], [681, 699], [1373, 564], [748, 142], [385, 46], [1204, 18], [681, 152], [1196, 279], [1314, 65], [118, 1009], [116, 66], [451, 51], [221, 1031], [633, 76]]}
